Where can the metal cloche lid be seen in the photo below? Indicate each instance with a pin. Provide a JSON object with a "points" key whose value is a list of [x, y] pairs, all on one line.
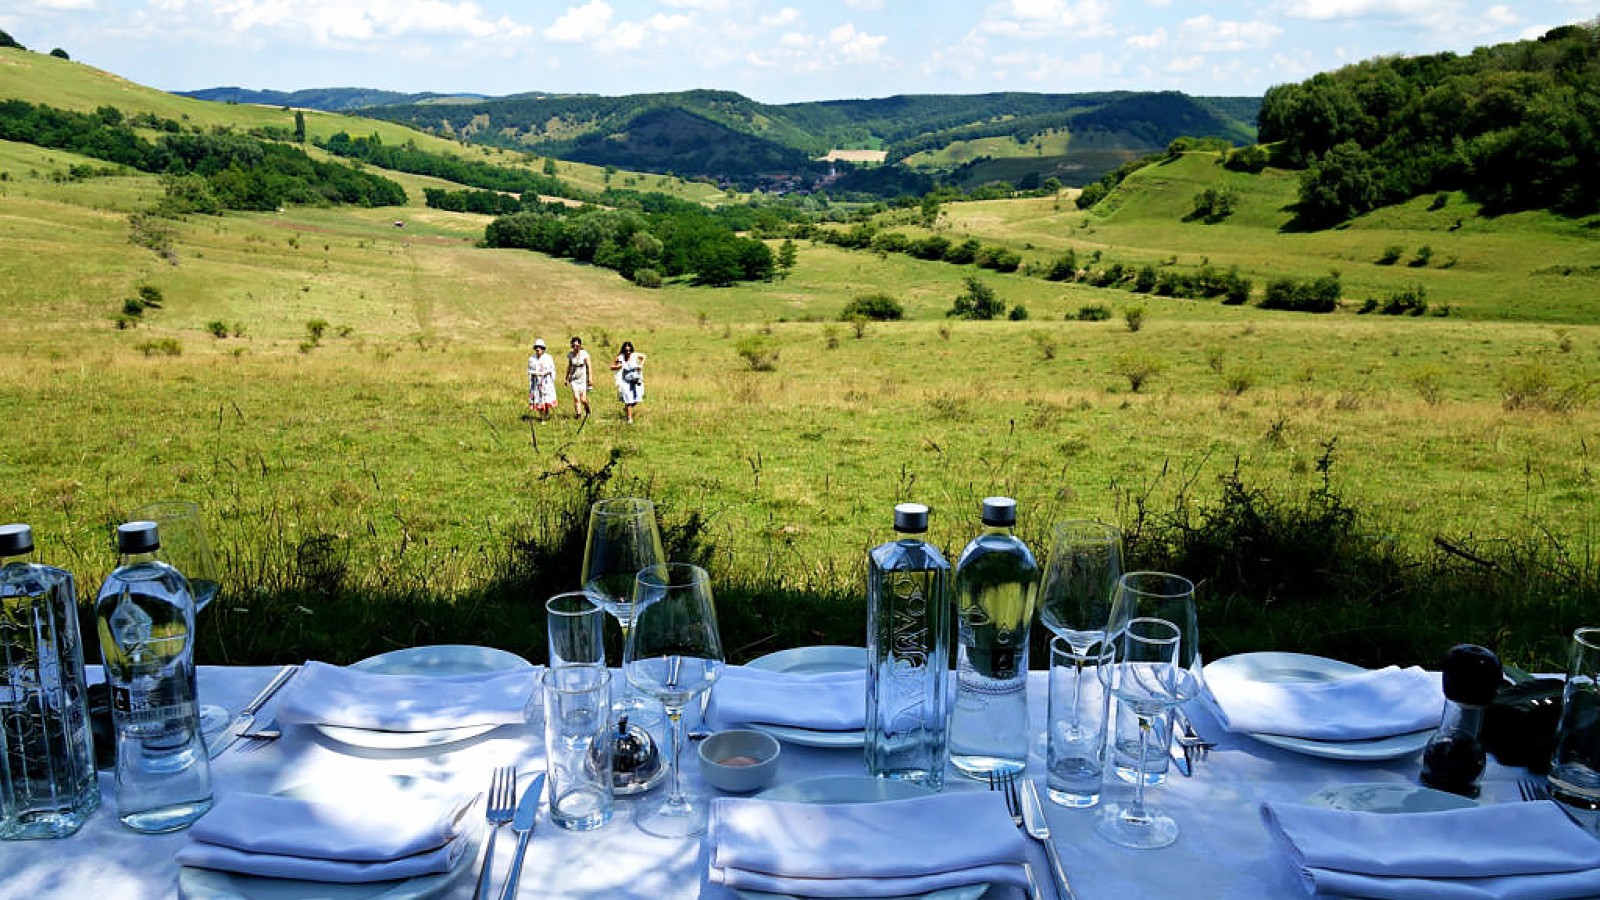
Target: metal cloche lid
{"points": [[911, 518], [999, 511], [138, 537], [15, 540]]}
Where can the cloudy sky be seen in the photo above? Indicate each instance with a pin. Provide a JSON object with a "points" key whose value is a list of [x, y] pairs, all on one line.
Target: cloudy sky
{"points": [[772, 50]]}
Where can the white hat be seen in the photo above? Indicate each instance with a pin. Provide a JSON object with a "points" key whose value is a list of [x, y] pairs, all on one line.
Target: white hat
{"points": [[539, 343]]}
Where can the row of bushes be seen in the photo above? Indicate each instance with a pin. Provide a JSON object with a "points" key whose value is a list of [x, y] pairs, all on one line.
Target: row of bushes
{"points": [[867, 236]]}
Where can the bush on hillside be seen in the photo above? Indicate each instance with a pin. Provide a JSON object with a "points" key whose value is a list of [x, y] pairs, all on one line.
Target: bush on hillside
{"points": [[1251, 158], [7, 41], [1319, 295], [877, 307], [977, 302]]}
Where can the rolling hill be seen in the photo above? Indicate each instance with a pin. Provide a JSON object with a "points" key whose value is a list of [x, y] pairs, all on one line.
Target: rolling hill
{"points": [[325, 99]]}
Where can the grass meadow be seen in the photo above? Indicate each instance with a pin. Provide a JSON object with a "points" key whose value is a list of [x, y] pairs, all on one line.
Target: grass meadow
{"points": [[391, 457]]}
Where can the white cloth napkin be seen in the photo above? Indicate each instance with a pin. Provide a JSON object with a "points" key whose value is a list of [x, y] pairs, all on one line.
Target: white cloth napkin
{"points": [[284, 837], [1376, 704], [821, 701], [865, 849], [334, 695], [1514, 851]]}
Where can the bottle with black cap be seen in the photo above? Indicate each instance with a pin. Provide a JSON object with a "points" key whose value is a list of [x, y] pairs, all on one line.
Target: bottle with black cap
{"points": [[996, 583], [48, 787], [145, 613], [1454, 759], [908, 648]]}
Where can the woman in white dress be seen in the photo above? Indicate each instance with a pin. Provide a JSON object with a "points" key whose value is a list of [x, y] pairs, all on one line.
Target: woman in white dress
{"points": [[541, 382], [578, 378], [629, 367]]}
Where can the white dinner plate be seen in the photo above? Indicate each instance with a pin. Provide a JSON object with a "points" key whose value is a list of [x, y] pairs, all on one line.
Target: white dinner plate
{"points": [[1273, 667], [442, 660], [807, 661], [214, 884], [1388, 798], [856, 789]]}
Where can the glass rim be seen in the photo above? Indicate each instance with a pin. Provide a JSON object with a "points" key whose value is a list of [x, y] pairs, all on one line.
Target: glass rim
{"points": [[652, 576], [551, 603], [1094, 528], [623, 507], [166, 510], [601, 677], [1128, 582], [1587, 636]]}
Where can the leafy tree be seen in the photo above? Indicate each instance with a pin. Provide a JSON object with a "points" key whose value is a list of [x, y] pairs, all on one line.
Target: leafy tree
{"points": [[878, 307], [7, 41], [1341, 184], [59, 53], [549, 167], [299, 126], [977, 302]]}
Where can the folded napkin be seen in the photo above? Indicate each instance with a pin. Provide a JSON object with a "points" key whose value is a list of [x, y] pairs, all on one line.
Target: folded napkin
{"points": [[821, 701], [1514, 851], [865, 849], [284, 837], [333, 695], [1376, 704]]}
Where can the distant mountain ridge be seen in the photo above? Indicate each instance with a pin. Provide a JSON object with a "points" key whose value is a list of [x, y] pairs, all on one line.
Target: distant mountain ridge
{"points": [[734, 139], [325, 99]]}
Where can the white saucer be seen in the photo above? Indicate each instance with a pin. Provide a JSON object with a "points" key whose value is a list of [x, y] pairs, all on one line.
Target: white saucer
{"points": [[442, 660], [1388, 798], [1274, 667], [812, 660], [856, 789]]}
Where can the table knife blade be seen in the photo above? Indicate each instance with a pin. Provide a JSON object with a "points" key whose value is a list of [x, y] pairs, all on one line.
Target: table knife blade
{"points": [[522, 823], [247, 716]]}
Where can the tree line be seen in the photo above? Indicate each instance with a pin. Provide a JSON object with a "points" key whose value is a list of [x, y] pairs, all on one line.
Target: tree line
{"points": [[473, 173], [205, 172], [1516, 126]]}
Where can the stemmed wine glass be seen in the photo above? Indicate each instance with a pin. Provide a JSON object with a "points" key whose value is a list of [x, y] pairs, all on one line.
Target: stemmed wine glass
{"points": [[184, 546], [623, 538], [674, 654], [1152, 666], [1075, 597]]}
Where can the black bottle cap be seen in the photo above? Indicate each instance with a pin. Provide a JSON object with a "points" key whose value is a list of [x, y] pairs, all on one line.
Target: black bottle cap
{"points": [[138, 537], [911, 518], [1472, 675], [15, 540], [999, 512]]}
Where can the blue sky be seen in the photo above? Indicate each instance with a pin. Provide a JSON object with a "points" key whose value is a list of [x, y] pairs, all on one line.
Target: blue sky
{"points": [[771, 50]]}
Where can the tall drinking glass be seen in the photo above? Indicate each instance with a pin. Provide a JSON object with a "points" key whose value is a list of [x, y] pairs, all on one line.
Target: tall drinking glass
{"points": [[574, 624], [1575, 766], [674, 654], [185, 547], [1075, 603], [1147, 675]]}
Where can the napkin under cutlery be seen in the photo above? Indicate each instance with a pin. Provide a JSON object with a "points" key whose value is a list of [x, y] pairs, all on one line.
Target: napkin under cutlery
{"points": [[820, 701], [286, 837], [1514, 851], [1376, 704], [334, 695], [886, 849]]}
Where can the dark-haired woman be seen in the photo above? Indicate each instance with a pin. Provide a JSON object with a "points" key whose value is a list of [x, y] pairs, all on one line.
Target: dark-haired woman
{"points": [[629, 366]]}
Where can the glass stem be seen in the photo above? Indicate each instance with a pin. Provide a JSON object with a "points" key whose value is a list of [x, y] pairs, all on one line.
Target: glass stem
{"points": [[675, 797], [1136, 811], [1077, 689]]}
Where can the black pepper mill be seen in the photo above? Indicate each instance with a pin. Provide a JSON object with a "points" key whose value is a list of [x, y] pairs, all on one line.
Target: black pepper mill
{"points": [[1454, 759]]}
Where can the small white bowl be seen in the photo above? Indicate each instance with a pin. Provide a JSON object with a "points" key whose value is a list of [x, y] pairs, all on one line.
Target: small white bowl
{"points": [[739, 761]]}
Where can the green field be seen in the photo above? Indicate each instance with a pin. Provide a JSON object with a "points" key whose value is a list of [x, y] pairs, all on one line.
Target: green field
{"points": [[398, 440]]}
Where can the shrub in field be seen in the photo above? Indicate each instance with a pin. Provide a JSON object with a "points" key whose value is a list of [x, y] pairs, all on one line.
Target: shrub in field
{"points": [[315, 329], [1411, 300], [1423, 257], [1319, 295], [218, 328], [932, 247], [1137, 368], [647, 278], [1238, 379], [879, 307], [1249, 158], [1532, 387], [858, 325], [1018, 313], [977, 302], [132, 306], [1145, 281], [1429, 385], [1063, 267], [1391, 255], [759, 352], [963, 253], [151, 296], [160, 347], [1133, 316], [1092, 312], [1045, 343], [1000, 259]]}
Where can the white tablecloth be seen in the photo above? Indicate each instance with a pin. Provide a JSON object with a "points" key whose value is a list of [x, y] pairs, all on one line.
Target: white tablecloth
{"points": [[1223, 851]]}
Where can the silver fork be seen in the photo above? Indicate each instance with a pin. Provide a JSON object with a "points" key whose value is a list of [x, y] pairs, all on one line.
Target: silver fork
{"points": [[1007, 785], [1194, 746], [502, 805], [1532, 789]]}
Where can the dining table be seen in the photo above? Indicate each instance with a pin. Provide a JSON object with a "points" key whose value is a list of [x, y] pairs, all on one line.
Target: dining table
{"points": [[1223, 850]]}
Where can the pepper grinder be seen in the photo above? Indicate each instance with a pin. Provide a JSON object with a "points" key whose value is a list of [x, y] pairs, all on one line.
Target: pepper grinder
{"points": [[1454, 759], [635, 761]]}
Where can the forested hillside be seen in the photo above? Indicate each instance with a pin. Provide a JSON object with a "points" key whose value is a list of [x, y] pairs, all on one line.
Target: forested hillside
{"points": [[326, 99]]}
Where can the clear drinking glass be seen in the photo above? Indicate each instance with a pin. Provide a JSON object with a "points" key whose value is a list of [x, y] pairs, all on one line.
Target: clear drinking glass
{"points": [[674, 654], [623, 538], [185, 547], [1076, 729], [1146, 673], [575, 624], [1155, 595], [577, 740], [1075, 594], [1575, 766]]}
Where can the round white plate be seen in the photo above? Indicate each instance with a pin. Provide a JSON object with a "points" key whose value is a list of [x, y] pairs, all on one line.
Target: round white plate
{"points": [[213, 884], [856, 789], [1274, 667], [442, 660], [1388, 798], [811, 660]]}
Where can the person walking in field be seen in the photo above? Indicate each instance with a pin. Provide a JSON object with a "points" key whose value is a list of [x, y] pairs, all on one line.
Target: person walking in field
{"points": [[578, 378], [541, 382], [629, 367]]}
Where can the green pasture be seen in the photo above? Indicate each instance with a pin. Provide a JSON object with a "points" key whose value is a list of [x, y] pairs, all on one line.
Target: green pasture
{"points": [[1050, 143]]}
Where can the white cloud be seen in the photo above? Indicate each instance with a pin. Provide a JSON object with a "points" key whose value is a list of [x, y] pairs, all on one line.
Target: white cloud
{"points": [[1053, 72], [865, 5], [797, 40], [1501, 17], [363, 21], [1182, 64], [786, 16], [581, 24], [706, 5], [855, 45], [634, 35], [1049, 18], [1327, 10], [1151, 41], [59, 5], [1210, 35]]}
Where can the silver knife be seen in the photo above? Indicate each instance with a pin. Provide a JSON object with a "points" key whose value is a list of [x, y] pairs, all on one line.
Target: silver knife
{"points": [[522, 823], [247, 716], [1180, 756], [1039, 830]]}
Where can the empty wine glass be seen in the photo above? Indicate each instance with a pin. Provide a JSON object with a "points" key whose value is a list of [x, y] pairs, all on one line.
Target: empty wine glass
{"points": [[1075, 599], [184, 546], [623, 538], [674, 654], [1147, 675]]}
